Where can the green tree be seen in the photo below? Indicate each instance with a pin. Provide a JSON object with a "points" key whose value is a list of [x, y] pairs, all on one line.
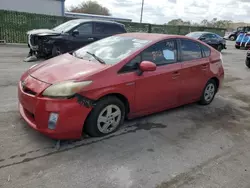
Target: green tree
{"points": [[179, 22], [90, 7]]}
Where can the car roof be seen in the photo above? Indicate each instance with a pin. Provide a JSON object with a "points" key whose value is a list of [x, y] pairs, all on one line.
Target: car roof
{"points": [[151, 36], [96, 20]]}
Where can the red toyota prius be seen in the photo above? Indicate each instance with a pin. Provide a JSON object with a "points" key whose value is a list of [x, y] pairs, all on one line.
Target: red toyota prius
{"points": [[128, 75]]}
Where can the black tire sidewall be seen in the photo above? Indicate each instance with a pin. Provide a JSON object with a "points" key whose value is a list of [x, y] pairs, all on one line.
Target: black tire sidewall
{"points": [[54, 50], [202, 100], [232, 37], [248, 63], [90, 126], [220, 47]]}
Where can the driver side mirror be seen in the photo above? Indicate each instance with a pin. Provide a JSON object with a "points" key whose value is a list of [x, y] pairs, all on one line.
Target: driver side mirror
{"points": [[75, 32], [146, 66]]}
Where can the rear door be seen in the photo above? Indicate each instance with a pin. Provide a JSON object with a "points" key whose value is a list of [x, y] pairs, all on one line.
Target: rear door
{"points": [[194, 69]]}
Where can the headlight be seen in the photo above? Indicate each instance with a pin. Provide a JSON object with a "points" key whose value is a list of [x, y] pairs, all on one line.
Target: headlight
{"points": [[65, 89]]}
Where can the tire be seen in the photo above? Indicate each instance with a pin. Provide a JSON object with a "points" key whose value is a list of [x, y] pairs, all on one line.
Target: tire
{"points": [[210, 89], [237, 47], [220, 47], [233, 38], [56, 50], [99, 117], [248, 63]]}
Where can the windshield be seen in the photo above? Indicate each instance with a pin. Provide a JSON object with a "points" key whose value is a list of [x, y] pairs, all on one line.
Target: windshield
{"points": [[112, 49], [195, 35], [66, 26]]}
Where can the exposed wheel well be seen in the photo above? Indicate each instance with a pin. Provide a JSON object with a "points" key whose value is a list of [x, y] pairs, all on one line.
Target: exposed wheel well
{"points": [[216, 81], [122, 98]]}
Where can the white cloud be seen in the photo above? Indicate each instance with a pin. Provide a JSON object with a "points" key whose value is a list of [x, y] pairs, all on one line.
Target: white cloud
{"points": [[162, 11]]}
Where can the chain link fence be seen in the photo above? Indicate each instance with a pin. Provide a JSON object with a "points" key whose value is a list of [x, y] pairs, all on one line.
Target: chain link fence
{"points": [[14, 25]]}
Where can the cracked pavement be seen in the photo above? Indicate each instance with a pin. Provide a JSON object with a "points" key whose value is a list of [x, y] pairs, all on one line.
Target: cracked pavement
{"points": [[189, 146]]}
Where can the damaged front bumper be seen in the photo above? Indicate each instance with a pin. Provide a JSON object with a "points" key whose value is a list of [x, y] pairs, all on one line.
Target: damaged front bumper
{"points": [[68, 115], [41, 46]]}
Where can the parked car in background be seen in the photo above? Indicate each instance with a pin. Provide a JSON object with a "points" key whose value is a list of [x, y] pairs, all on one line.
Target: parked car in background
{"points": [[70, 36], [243, 41], [211, 39], [127, 75], [234, 34], [248, 59]]}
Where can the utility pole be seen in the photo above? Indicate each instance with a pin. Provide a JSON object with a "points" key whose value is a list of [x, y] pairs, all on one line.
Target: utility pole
{"points": [[142, 4]]}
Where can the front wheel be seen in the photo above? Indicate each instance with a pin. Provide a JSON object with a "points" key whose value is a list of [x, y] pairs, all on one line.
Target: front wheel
{"points": [[106, 117], [220, 47], [232, 37], [248, 63], [56, 50], [208, 92]]}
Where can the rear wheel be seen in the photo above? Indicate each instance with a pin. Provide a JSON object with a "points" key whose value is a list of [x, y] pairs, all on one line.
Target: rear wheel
{"points": [[208, 92], [248, 63], [106, 117]]}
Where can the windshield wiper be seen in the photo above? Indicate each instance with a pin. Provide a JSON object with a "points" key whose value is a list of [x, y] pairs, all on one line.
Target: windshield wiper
{"points": [[97, 58]]}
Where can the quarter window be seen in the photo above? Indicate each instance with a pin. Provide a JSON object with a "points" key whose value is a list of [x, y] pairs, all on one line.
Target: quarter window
{"points": [[190, 50], [161, 53], [132, 65]]}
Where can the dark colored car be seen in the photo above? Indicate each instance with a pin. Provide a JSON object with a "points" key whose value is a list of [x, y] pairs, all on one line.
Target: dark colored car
{"points": [[243, 41], [211, 39], [70, 36], [248, 59], [233, 35]]}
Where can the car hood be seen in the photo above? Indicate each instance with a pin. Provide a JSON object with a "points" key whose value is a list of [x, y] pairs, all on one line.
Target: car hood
{"points": [[65, 67], [43, 32]]}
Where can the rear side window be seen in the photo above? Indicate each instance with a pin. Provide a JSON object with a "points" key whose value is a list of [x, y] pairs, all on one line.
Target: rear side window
{"points": [[190, 50], [206, 51], [114, 29]]}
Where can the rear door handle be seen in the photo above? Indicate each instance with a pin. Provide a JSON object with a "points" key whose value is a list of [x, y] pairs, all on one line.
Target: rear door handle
{"points": [[175, 74], [204, 67]]}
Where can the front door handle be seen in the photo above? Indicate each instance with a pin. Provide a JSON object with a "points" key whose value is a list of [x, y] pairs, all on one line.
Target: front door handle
{"points": [[90, 38]]}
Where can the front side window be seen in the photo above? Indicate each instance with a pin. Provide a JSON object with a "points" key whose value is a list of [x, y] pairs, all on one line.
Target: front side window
{"points": [[99, 28], [190, 50], [161, 53], [85, 29], [209, 36], [65, 27], [112, 49], [133, 65]]}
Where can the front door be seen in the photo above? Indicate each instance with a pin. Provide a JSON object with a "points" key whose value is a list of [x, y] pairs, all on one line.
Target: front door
{"points": [[84, 36], [194, 68], [159, 89]]}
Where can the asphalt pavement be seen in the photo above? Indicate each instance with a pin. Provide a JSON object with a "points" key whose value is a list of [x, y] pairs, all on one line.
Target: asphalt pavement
{"points": [[190, 146]]}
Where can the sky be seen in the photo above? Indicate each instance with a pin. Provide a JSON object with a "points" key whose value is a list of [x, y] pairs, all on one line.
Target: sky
{"points": [[162, 11]]}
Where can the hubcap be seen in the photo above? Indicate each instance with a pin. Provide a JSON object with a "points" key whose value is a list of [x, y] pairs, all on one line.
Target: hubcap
{"points": [[209, 92], [109, 119]]}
